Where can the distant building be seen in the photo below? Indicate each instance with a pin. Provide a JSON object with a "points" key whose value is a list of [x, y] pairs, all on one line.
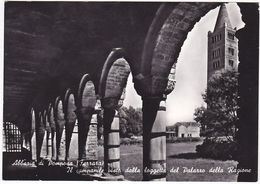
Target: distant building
{"points": [[183, 129], [222, 45]]}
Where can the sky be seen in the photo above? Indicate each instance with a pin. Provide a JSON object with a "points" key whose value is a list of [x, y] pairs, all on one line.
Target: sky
{"points": [[191, 70]]}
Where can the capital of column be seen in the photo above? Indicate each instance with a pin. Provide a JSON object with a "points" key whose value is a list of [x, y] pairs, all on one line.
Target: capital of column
{"points": [[110, 103], [153, 98], [152, 84], [147, 96], [85, 110], [60, 122], [142, 84]]}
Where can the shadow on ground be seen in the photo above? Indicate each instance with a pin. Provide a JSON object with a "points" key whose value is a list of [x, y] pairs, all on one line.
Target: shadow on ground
{"points": [[185, 156], [193, 155]]}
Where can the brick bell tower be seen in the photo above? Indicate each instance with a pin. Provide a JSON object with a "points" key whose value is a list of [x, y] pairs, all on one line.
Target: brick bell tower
{"points": [[222, 45]]}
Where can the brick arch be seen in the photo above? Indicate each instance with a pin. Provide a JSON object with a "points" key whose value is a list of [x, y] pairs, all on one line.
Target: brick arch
{"points": [[60, 124], [58, 103], [163, 43], [85, 102], [108, 95], [33, 120], [70, 105], [33, 134], [86, 86], [161, 50], [70, 117], [45, 120], [39, 133], [50, 114], [51, 119], [112, 85]]}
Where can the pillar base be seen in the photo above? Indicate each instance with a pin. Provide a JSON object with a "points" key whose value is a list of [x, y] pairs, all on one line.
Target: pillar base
{"points": [[110, 177]]}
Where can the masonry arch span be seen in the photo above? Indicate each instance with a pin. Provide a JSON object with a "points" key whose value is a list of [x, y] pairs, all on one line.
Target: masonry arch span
{"points": [[112, 85], [86, 101], [114, 76], [70, 118], [60, 126], [163, 43], [33, 135], [161, 49], [53, 131]]}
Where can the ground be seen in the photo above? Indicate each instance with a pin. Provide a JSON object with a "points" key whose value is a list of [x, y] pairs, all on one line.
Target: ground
{"points": [[178, 155]]}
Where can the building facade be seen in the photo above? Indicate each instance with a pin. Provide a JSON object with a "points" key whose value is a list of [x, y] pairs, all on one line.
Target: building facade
{"points": [[183, 129], [222, 45]]}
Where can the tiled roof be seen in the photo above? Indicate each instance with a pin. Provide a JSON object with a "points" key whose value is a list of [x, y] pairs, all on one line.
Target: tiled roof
{"points": [[186, 124]]}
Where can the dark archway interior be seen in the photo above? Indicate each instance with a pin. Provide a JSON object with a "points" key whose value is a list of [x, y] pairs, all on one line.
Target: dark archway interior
{"points": [[50, 45]]}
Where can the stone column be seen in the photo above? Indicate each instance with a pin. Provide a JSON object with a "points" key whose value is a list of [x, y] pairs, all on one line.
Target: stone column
{"points": [[111, 142], [84, 122], [52, 132], [151, 139], [40, 132], [49, 149], [74, 150], [25, 143], [154, 132], [53, 145], [111, 91], [248, 113], [33, 136], [158, 143], [44, 145], [91, 147], [60, 132], [85, 108], [111, 135], [49, 141], [44, 150], [70, 117], [88, 147]]}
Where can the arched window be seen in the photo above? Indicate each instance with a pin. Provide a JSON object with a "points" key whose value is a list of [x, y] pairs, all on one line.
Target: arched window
{"points": [[231, 63], [231, 36]]}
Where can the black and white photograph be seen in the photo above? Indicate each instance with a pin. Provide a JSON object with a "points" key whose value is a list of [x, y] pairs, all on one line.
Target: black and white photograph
{"points": [[130, 91]]}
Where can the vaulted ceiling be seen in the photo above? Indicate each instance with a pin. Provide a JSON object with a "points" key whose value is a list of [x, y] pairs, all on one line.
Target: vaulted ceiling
{"points": [[48, 46]]}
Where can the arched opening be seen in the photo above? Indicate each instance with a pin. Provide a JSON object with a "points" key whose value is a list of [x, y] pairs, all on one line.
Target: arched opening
{"points": [[111, 92], [44, 149], [71, 126], [60, 130], [162, 47], [40, 132], [86, 102], [53, 131], [33, 135]]}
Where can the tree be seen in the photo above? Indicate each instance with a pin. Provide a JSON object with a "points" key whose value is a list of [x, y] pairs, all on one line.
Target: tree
{"points": [[130, 121], [221, 97], [219, 118]]}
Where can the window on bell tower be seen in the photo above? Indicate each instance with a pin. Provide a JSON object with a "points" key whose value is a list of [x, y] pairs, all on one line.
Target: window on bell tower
{"points": [[231, 36], [231, 51], [231, 63]]}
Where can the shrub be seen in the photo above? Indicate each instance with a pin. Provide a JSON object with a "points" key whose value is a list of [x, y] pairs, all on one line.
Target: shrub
{"points": [[217, 149], [183, 139], [130, 141]]}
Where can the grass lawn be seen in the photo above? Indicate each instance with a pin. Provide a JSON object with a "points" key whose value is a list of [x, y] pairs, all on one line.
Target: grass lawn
{"points": [[178, 155]]}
